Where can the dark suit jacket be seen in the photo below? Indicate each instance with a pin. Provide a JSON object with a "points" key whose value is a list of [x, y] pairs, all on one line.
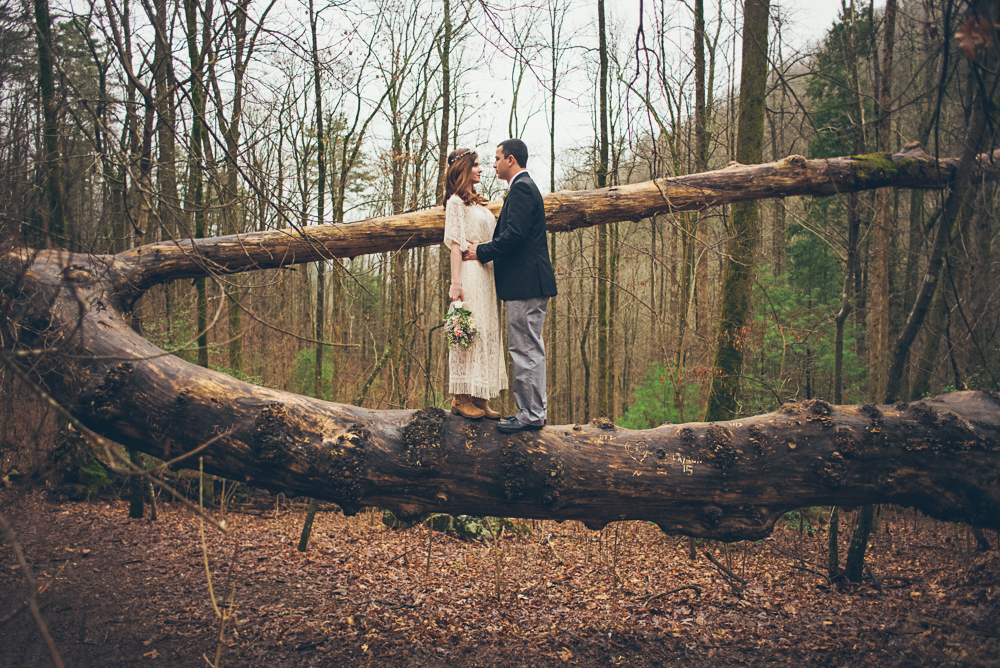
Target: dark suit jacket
{"points": [[519, 250]]}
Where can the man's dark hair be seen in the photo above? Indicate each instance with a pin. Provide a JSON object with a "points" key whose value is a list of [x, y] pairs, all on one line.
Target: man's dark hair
{"points": [[516, 148]]}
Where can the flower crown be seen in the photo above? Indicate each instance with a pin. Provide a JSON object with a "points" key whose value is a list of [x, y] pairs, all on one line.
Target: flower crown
{"points": [[452, 160]]}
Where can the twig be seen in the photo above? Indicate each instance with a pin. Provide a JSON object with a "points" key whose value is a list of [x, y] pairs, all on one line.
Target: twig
{"points": [[201, 529], [724, 569], [24, 604], [13, 613], [877, 581], [809, 570], [100, 440], [32, 591], [784, 553], [922, 620], [400, 556], [430, 540], [652, 597], [552, 549], [728, 573], [201, 447]]}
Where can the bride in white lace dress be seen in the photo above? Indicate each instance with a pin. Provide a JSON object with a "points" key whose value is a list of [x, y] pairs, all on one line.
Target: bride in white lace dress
{"points": [[477, 373]]}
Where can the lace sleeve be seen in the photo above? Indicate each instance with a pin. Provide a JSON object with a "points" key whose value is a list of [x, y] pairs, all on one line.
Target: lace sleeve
{"points": [[455, 223]]}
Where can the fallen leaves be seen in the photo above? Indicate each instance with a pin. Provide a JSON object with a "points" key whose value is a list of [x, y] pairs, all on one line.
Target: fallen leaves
{"points": [[627, 595]]}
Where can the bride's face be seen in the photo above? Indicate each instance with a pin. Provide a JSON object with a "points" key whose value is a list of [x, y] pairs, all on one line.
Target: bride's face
{"points": [[477, 172]]}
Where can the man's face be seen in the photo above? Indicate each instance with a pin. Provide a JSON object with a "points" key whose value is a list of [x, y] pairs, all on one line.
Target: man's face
{"points": [[503, 165]]}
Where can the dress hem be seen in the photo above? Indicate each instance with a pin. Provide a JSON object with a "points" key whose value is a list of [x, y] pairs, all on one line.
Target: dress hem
{"points": [[478, 390]]}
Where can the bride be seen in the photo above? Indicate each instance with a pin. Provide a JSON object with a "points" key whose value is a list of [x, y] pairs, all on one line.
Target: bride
{"points": [[477, 373]]}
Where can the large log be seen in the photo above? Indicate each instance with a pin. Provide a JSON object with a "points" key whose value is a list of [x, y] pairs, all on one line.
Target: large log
{"points": [[728, 480], [565, 210]]}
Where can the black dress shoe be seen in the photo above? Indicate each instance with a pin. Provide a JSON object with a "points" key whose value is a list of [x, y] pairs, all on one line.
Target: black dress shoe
{"points": [[508, 418], [513, 425]]}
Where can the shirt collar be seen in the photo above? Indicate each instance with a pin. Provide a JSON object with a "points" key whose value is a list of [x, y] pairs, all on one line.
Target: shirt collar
{"points": [[523, 172]]}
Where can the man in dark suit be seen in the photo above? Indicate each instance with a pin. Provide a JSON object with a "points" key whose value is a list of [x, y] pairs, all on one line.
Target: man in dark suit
{"points": [[525, 281]]}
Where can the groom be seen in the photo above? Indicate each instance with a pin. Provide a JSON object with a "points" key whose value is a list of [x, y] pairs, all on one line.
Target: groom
{"points": [[524, 278]]}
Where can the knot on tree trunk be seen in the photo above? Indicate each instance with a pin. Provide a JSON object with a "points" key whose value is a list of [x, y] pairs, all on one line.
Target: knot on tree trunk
{"points": [[272, 437], [530, 472], [847, 442], [423, 437], [832, 468], [345, 461], [603, 423], [718, 447], [105, 402], [758, 439]]}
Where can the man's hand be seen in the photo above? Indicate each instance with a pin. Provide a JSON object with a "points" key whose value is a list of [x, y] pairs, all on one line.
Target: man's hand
{"points": [[470, 252]]}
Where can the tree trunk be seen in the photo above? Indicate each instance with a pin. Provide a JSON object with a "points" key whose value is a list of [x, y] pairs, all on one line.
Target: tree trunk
{"points": [[855, 565], [927, 359], [602, 233], [713, 480], [565, 210], [50, 128], [137, 486], [738, 266], [307, 525], [833, 558], [445, 54], [195, 189], [320, 208], [846, 296], [727, 480], [879, 306], [228, 195]]}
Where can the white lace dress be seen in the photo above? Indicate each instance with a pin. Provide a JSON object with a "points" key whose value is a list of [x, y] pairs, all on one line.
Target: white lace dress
{"points": [[478, 370]]}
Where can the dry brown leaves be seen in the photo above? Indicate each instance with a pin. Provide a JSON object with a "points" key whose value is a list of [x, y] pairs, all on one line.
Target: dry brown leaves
{"points": [[568, 596]]}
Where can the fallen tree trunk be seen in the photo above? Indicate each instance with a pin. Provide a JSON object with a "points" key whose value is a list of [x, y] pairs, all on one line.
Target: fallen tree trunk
{"points": [[565, 210], [729, 480], [64, 319]]}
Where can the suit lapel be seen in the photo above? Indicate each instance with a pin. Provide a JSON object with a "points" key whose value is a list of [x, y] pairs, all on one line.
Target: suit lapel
{"points": [[502, 218]]}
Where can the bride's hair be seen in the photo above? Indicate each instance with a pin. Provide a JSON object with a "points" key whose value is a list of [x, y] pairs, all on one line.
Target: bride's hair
{"points": [[458, 179]]}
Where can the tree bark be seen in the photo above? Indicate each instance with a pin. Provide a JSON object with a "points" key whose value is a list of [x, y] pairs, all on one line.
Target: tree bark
{"points": [[879, 315], [307, 525], [736, 305], [444, 52], [603, 399], [229, 192], [195, 189], [157, 263], [137, 486], [320, 206], [728, 480], [54, 194]]}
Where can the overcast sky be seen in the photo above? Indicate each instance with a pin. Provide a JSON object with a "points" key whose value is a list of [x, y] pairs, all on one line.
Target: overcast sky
{"points": [[806, 22]]}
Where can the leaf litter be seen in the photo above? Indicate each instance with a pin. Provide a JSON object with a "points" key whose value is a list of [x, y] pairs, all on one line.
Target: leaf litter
{"points": [[363, 594]]}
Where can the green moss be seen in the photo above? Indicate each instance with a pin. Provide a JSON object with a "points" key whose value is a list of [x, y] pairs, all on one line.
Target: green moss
{"points": [[881, 167]]}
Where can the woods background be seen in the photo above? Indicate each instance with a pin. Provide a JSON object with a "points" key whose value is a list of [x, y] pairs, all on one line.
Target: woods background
{"points": [[126, 123]]}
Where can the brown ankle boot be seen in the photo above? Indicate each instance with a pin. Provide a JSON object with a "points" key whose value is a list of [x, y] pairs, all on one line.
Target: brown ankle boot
{"points": [[462, 405], [484, 406]]}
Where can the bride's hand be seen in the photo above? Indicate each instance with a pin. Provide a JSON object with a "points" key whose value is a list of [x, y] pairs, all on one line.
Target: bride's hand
{"points": [[456, 293]]}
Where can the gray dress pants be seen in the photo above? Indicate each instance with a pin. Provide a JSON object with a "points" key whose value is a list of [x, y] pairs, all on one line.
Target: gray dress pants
{"points": [[525, 320]]}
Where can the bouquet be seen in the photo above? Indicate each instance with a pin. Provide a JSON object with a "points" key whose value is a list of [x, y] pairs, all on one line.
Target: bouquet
{"points": [[459, 326]]}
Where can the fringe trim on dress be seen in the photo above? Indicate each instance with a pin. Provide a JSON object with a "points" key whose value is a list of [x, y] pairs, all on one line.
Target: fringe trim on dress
{"points": [[477, 389]]}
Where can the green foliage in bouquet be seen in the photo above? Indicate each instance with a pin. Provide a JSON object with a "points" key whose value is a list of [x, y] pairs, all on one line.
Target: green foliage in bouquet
{"points": [[460, 326]]}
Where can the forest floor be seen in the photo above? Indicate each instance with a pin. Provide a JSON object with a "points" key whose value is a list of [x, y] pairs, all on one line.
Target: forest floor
{"points": [[121, 592]]}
